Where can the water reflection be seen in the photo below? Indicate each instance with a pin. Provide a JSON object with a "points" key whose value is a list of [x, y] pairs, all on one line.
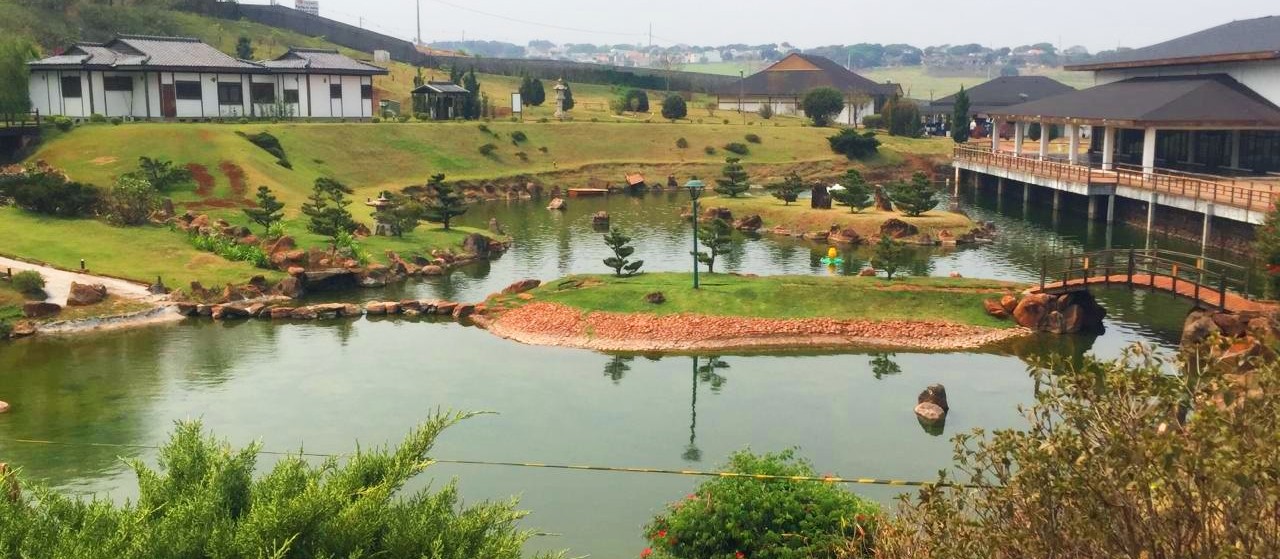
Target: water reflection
{"points": [[883, 365]]}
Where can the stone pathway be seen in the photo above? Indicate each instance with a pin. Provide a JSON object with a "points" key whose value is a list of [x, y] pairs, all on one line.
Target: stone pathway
{"points": [[58, 282]]}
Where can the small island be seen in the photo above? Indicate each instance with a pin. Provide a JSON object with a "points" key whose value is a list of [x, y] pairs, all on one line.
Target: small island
{"points": [[661, 313]]}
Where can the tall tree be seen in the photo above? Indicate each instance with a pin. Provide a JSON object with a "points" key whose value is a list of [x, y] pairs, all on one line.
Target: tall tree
{"points": [[960, 118], [327, 209], [902, 117], [717, 236], [789, 189], [856, 193], [268, 210], [471, 105], [822, 105], [734, 180], [622, 251], [444, 204], [916, 197], [14, 75], [244, 48]]}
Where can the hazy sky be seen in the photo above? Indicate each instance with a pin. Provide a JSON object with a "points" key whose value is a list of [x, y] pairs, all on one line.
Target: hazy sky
{"points": [[1096, 24]]}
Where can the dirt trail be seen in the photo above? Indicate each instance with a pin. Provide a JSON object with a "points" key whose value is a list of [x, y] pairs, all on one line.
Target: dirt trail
{"points": [[57, 283]]}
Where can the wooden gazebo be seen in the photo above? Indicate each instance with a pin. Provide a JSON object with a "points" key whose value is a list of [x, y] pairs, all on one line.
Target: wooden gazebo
{"points": [[443, 100]]}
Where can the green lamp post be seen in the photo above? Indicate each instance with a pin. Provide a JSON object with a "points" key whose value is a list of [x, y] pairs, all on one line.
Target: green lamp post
{"points": [[695, 187]]}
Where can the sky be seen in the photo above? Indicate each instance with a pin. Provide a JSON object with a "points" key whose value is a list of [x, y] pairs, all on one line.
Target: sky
{"points": [[1096, 24]]}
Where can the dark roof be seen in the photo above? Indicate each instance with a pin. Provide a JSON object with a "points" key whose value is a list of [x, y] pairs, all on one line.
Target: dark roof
{"points": [[1003, 92], [327, 60], [147, 52], [788, 82], [1250, 39], [440, 87], [1174, 100]]}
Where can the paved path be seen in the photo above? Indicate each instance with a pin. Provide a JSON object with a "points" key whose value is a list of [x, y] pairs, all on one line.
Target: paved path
{"points": [[1211, 297], [57, 283]]}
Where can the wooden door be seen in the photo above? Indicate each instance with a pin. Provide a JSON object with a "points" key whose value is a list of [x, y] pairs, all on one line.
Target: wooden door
{"points": [[168, 101]]}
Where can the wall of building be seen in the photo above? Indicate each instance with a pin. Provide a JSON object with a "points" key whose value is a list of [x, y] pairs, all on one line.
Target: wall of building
{"points": [[789, 107], [1262, 77], [45, 89]]}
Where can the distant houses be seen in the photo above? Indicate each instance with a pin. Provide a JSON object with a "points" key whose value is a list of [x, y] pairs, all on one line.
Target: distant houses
{"points": [[784, 85], [144, 77]]}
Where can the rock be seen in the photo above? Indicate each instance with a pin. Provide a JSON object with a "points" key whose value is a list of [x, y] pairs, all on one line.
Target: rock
{"points": [[4, 407], [749, 224], [284, 244], [477, 245], [290, 287], [204, 310], [955, 275], [251, 240], [1032, 310], [882, 201], [22, 329], [557, 203], [867, 273], [158, 288], [40, 309], [718, 213], [930, 413], [995, 309], [947, 238], [432, 270], [350, 310], [1262, 328], [600, 219], [280, 313], [495, 227], [1231, 324], [304, 313], [845, 237], [83, 295], [410, 305], [521, 286], [1009, 303], [375, 308], [362, 231], [655, 298], [897, 229], [229, 312], [445, 308], [463, 310], [255, 310], [818, 236], [819, 197], [935, 394], [186, 309]]}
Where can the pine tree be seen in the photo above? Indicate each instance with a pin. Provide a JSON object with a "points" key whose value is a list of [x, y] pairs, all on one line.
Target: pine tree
{"points": [[960, 118], [244, 48], [888, 256], [788, 190], [419, 101], [327, 209], [568, 97], [856, 193], [445, 203], [916, 197], [537, 92], [717, 236], [268, 210], [403, 215], [734, 181], [619, 244], [471, 106]]}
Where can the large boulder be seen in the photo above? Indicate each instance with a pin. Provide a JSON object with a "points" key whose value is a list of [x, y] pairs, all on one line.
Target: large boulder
{"points": [[600, 219], [477, 245], [897, 229], [521, 286], [749, 224], [1071, 313], [882, 201], [718, 212], [40, 309], [845, 237], [22, 329], [1032, 310], [290, 287], [995, 309], [83, 295], [230, 312], [557, 203], [935, 394]]}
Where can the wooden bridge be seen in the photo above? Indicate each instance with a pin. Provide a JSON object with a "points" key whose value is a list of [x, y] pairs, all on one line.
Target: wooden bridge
{"points": [[1208, 283]]}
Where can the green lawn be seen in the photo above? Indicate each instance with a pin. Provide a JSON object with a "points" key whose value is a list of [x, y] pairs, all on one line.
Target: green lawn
{"points": [[800, 217], [945, 299], [917, 82]]}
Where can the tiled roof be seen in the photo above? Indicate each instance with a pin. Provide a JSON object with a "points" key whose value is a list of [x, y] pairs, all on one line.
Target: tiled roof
{"points": [[440, 87], [322, 60], [1003, 92], [141, 51], [1257, 38], [1172, 100], [798, 82]]}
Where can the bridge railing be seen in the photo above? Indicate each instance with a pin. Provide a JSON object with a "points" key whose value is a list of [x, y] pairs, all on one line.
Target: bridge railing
{"points": [[20, 120], [1041, 168], [1202, 279]]}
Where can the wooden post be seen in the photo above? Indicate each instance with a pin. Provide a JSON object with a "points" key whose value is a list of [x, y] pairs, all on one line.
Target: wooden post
{"points": [[1132, 264], [1222, 293]]}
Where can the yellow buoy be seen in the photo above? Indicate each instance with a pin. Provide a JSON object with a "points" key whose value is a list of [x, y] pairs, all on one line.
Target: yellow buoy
{"points": [[831, 253]]}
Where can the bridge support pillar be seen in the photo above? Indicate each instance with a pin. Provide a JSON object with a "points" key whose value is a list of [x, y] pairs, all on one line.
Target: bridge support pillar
{"points": [[1000, 187], [1151, 215], [1094, 202], [1057, 200], [1111, 208], [1208, 228]]}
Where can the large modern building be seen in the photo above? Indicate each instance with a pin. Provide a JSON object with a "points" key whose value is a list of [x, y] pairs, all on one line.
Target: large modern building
{"points": [[1192, 123], [141, 77], [997, 94], [784, 85]]}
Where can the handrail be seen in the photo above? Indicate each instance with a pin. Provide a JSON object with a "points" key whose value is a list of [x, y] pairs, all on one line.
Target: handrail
{"points": [[23, 120], [1078, 269]]}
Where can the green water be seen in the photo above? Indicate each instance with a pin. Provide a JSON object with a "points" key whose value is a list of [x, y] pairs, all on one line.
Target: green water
{"points": [[326, 386]]}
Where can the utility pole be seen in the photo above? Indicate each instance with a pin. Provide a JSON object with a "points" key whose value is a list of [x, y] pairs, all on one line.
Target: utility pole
{"points": [[419, 4]]}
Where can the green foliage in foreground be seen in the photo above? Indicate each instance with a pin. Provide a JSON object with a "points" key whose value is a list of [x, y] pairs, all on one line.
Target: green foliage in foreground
{"points": [[743, 517], [1118, 459], [228, 248], [204, 501]]}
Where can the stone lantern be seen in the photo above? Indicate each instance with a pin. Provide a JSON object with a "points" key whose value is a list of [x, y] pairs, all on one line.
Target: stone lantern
{"points": [[380, 227], [560, 95]]}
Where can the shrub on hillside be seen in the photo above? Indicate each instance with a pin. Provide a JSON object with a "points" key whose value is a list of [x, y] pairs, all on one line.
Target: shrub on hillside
{"points": [[854, 145], [822, 105], [709, 150], [742, 517], [97, 118], [63, 123], [51, 194], [488, 149], [903, 118], [116, 121], [271, 145], [229, 249], [376, 120], [873, 122], [28, 281], [753, 138], [682, 143], [131, 201], [737, 147]]}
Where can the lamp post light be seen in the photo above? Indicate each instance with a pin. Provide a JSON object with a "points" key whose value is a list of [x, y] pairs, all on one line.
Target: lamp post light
{"points": [[695, 187]]}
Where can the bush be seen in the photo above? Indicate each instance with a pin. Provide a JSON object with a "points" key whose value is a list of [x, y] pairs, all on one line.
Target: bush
{"points": [[63, 123], [208, 499], [753, 138], [725, 121], [674, 108], [376, 120], [737, 147], [488, 149], [765, 111], [51, 194], [823, 104], [402, 119], [132, 201], [6, 329], [914, 198], [543, 149], [853, 145], [242, 120], [228, 248], [742, 517], [903, 118], [522, 155], [543, 120], [421, 117], [709, 150], [116, 121], [271, 145], [519, 136], [97, 118], [875, 122], [485, 128], [682, 143], [28, 281]]}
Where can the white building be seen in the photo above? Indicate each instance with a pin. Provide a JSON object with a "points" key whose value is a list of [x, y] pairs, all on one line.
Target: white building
{"points": [[784, 85], [140, 77], [309, 6]]}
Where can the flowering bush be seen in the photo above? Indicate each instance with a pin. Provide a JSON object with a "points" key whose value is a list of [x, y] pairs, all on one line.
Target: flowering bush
{"points": [[741, 518]]}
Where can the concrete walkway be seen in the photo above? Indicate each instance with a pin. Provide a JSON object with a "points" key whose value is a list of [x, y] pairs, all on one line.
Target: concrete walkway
{"points": [[57, 283]]}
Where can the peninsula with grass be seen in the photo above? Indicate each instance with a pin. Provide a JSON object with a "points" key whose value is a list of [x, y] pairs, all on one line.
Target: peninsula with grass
{"points": [[661, 313]]}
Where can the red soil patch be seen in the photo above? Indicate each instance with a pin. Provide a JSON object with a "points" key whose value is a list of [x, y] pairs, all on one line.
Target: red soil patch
{"points": [[235, 174], [559, 325], [204, 181]]}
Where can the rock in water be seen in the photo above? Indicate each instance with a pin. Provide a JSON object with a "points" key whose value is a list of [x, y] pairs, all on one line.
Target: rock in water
{"points": [[477, 245], [930, 413], [83, 295], [557, 204], [600, 220], [935, 394]]}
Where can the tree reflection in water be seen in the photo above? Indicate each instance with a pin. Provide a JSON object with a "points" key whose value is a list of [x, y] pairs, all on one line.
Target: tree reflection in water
{"points": [[882, 365]]}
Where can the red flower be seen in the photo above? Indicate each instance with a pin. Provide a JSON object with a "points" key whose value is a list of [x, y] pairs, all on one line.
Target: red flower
{"points": [[739, 555], [662, 534], [646, 553]]}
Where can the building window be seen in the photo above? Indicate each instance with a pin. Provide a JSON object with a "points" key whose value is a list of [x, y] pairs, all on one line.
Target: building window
{"points": [[291, 96], [335, 91], [230, 94], [71, 86], [262, 93], [189, 91], [366, 92], [117, 83]]}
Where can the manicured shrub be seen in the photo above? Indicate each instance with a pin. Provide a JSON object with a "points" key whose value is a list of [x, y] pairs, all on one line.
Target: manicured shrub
{"points": [[753, 138], [823, 104], [485, 128], [488, 149], [725, 121], [162, 174], [51, 194], [519, 136], [854, 145], [522, 155], [874, 122], [709, 150], [116, 121], [856, 194], [682, 143], [63, 123], [543, 120], [402, 119], [734, 179], [789, 189], [742, 517], [543, 149], [619, 244], [97, 118], [445, 202], [914, 198], [271, 145], [28, 281], [376, 120], [674, 108], [737, 147]]}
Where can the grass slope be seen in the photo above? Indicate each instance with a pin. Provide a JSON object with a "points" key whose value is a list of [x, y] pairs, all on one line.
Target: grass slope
{"points": [[953, 300]]}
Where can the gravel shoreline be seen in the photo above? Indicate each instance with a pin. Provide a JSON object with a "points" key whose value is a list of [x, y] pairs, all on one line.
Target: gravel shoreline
{"points": [[550, 324]]}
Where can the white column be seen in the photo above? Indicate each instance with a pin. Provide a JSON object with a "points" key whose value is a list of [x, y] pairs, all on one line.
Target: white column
{"points": [[1111, 208], [1073, 135], [1108, 148], [1235, 149], [995, 136], [1149, 152], [1044, 139], [1208, 228], [1019, 135]]}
